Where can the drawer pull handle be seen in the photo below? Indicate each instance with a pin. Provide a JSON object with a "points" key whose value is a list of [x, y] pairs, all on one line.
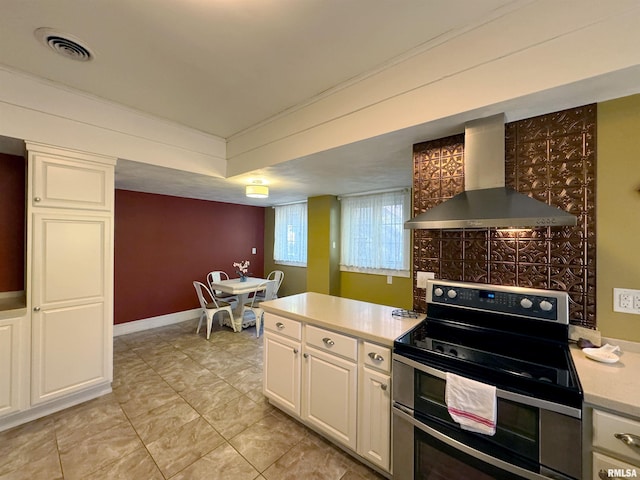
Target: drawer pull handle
{"points": [[376, 357], [383, 387], [328, 342], [629, 439], [280, 325]]}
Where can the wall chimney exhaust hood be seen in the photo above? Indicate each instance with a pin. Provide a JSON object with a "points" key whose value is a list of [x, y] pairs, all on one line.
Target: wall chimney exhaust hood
{"points": [[486, 202]]}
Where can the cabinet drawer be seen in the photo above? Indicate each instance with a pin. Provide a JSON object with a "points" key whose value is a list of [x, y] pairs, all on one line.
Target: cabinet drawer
{"points": [[333, 342], [377, 356], [605, 428], [608, 468], [284, 326]]}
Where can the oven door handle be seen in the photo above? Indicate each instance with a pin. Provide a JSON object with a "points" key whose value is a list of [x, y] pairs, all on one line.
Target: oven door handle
{"points": [[514, 397], [408, 417]]}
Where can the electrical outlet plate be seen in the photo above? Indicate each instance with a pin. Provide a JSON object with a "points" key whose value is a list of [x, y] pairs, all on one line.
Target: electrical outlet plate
{"points": [[626, 300]]}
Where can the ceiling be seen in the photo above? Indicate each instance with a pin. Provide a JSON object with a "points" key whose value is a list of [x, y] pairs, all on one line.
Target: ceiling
{"points": [[224, 67]]}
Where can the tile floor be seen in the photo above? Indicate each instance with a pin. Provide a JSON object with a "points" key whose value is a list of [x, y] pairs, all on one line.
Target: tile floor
{"points": [[182, 408]]}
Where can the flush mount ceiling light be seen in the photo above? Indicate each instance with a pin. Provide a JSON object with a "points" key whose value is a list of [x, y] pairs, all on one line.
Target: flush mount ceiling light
{"points": [[257, 189], [64, 44]]}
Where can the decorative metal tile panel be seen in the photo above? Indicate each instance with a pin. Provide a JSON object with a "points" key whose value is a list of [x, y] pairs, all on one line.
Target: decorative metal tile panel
{"points": [[551, 158]]}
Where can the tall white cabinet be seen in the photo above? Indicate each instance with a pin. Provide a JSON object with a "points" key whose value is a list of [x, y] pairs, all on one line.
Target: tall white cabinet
{"points": [[69, 283]]}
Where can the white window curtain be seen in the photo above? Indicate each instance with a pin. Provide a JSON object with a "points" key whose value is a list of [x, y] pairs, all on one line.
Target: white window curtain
{"points": [[290, 242], [373, 237]]}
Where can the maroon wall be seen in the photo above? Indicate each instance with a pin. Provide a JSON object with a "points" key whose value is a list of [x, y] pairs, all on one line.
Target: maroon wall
{"points": [[12, 222], [163, 244]]}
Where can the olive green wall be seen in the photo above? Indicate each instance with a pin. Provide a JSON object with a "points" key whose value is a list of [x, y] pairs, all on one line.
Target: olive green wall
{"points": [[295, 278], [374, 289], [618, 213], [323, 240], [324, 228]]}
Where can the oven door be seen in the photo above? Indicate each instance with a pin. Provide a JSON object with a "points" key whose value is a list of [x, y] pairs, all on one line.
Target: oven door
{"points": [[424, 453], [534, 439]]}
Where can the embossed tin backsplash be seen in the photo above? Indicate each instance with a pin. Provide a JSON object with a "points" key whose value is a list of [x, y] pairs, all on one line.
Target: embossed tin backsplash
{"points": [[551, 158]]}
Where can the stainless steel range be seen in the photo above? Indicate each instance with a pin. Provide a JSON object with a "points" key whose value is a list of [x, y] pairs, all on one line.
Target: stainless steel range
{"points": [[515, 339]]}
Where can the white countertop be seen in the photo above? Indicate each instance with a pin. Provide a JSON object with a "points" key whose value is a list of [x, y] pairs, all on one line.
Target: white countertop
{"points": [[615, 386], [365, 320]]}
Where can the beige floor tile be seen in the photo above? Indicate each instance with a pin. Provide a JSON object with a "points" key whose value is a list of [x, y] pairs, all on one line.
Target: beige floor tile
{"points": [[179, 449], [307, 460], [137, 465], [85, 420], [267, 440], [163, 420], [233, 417], [41, 465], [246, 379], [145, 396], [216, 395], [98, 451], [224, 463], [26, 443]]}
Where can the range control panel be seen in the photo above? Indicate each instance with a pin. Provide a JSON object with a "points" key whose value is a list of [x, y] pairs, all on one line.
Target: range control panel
{"points": [[534, 303]]}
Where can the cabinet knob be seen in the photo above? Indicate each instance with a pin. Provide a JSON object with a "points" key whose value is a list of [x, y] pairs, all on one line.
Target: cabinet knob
{"points": [[295, 350], [383, 386], [280, 325], [36, 309], [37, 199], [604, 475], [629, 439], [328, 342], [305, 355], [376, 357]]}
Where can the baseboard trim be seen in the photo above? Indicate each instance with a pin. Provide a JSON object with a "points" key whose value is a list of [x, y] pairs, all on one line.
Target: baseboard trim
{"points": [[154, 322], [20, 417]]}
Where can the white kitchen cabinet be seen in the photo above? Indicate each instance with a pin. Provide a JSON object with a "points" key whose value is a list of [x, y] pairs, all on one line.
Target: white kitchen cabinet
{"points": [[615, 441], [375, 418], [330, 400], [68, 354], [282, 362], [374, 415], [336, 384], [71, 315], [69, 179], [11, 352]]}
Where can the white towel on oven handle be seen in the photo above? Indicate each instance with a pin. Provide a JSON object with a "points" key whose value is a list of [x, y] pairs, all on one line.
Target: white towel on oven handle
{"points": [[472, 404]]}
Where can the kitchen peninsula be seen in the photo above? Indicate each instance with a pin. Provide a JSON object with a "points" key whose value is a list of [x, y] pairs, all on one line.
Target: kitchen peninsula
{"points": [[327, 362]]}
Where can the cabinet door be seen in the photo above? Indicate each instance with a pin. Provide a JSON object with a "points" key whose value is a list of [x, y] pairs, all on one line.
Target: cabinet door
{"points": [[71, 299], [282, 371], [65, 183], [10, 358], [374, 438], [330, 400]]}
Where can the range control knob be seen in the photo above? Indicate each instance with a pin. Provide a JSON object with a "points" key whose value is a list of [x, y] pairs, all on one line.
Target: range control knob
{"points": [[438, 292], [545, 305], [526, 303], [452, 293]]}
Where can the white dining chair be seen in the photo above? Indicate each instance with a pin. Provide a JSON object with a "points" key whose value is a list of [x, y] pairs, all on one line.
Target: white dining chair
{"points": [[277, 276], [269, 289], [210, 306], [217, 276]]}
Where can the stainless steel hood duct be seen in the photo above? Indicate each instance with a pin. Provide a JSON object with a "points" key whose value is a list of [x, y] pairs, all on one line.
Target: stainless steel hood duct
{"points": [[486, 202]]}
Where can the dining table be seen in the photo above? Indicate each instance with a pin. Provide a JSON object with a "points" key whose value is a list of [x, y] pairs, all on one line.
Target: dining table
{"points": [[242, 289]]}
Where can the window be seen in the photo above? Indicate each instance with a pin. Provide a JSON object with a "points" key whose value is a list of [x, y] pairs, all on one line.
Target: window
{"points": [[290, 242], [373, 237]]}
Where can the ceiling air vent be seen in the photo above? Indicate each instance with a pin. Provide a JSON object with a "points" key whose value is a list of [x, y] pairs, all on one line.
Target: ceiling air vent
{"points": [[64, 44]]}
